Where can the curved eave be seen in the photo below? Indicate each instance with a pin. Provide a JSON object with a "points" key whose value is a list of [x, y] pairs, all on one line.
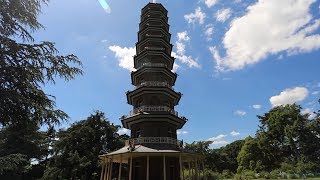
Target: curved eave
{"points": [[150, 28], [138, 118], [153, 39], [141, 71], [153, 90], [156, 53], [151, 5]]}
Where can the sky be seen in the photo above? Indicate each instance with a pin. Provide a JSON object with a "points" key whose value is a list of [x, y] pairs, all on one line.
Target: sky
{"points": [[235, 59]]}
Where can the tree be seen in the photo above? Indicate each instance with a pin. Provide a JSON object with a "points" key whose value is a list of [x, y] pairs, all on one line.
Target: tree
{"points": [[25, 67], [285, 136], [229, 154], [77, 148]]}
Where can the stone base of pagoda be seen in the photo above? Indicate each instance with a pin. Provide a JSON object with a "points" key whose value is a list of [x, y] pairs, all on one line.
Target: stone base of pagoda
{"points": [[143, 163]]}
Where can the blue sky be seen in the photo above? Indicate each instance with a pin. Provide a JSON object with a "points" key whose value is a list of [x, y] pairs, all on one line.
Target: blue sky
{"points": [[236, 59]]}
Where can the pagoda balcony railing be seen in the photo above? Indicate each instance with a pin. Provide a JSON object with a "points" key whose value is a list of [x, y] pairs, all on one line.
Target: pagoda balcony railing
{"points": [[152, 65], [152, 109], [154, 48], [155, 35], [154, 84], [153, 140]]}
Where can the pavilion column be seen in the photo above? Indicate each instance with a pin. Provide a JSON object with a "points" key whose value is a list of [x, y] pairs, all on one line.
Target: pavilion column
{"points": [[203, 169], [102, 170], [148, 164], [190, 171], [130, 168], [197, 169], [181, 169], [106, 169], [164, 168], [110, 171], [120, 167]]}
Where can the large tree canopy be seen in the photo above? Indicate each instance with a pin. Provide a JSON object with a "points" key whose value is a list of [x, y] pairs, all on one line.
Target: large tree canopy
{"points": [[286, 136], [25, 67], [76, 149]]}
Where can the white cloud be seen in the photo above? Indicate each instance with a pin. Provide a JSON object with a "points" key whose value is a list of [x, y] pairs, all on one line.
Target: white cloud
{"points": [[235, 133], [223, 14], [181, 48], [256, 106], [175, 67], [309, 112], [269, 27], [289, 96], [182, 132], [123, 131], [219, 137], [210, 3], [188, 60], [197, 16], [315, 92], [209, 31], [124, 56], [183, 36], [222, 142], [240, 113]]}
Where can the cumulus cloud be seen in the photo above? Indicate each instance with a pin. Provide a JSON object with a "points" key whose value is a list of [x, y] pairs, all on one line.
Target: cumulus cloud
{"points": [[219, 137], [240, 113], [289, 96], [235, 133], [256, 106], [269, 27], [182, 132], [197, 16], [123, 131], [309, 112], [208, 32], [183, 36], [222, 142], [188, 60], [181, 48], [210, 3], [124, 56], [223, 14]]}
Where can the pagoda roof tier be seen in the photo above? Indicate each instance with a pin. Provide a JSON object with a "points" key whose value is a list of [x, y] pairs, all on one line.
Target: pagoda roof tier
{"points": [[154, 7], [128, 121], [153, 42], [124, 154], [133, 96], [140, 73], [149, 53], [158, 14], [154, 32], [154, 22]]}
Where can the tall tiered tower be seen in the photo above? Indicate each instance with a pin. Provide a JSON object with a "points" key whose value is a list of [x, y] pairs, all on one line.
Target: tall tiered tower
{"points": [[154, 98], [153, 152]]}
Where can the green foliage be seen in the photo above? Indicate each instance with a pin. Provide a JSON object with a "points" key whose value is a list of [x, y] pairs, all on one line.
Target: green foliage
{"points": [[12, 163], [25, 67], [76, 149], [285, 135]]}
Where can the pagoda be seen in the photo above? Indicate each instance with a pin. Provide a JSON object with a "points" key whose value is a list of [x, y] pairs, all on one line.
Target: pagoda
{"points": [[153, 152]]}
